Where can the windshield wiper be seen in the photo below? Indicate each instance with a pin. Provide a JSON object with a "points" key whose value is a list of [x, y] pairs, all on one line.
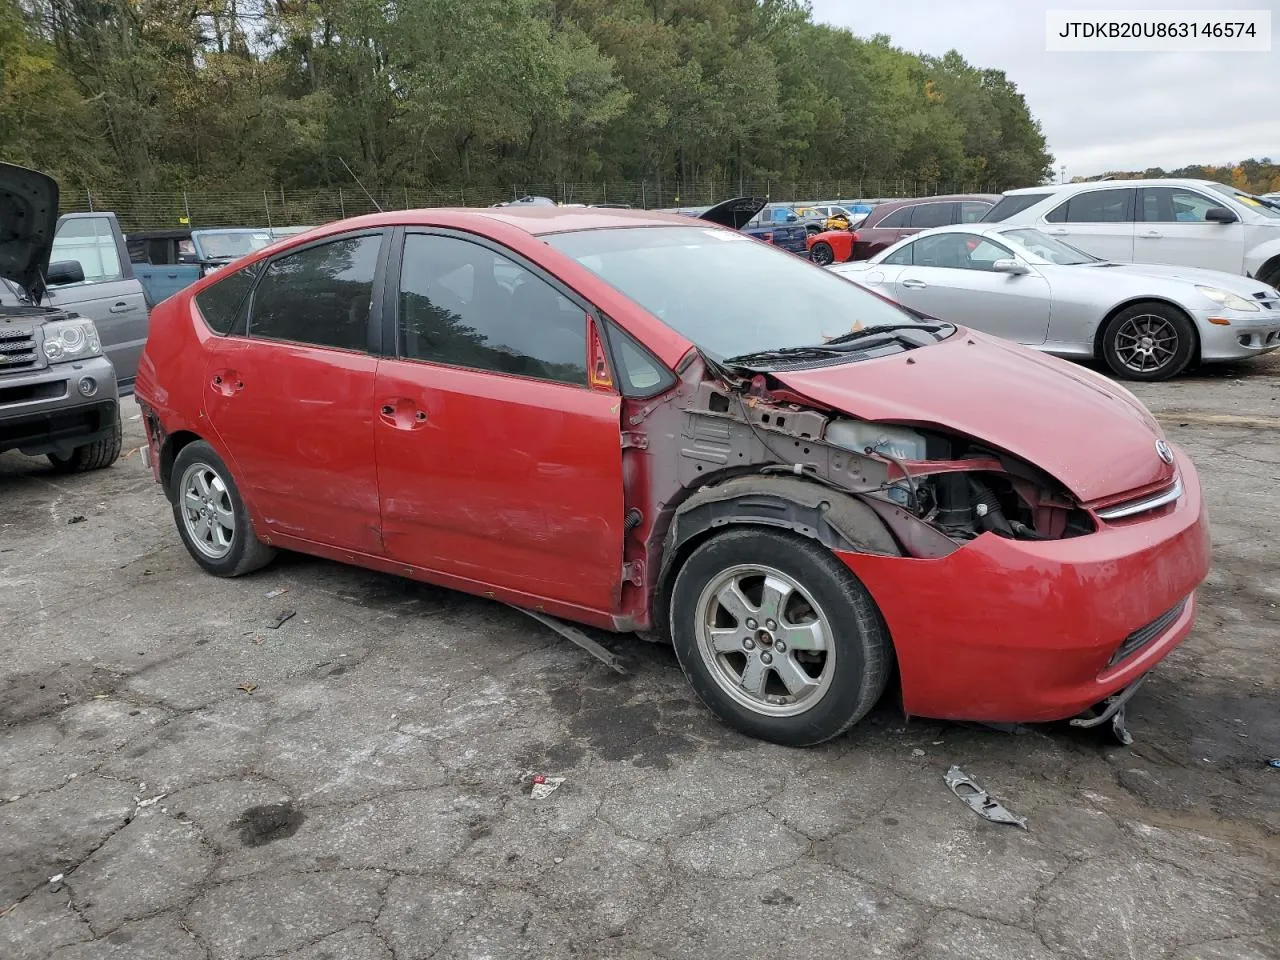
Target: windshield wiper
{"points": [[811, 352], [884, 328]]}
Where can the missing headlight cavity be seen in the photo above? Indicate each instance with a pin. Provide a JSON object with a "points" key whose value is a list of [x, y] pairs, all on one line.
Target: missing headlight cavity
{"points": [[965, 504], [910, 474]]}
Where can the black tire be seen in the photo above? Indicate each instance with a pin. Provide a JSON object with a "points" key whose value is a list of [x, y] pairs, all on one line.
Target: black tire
{"points": [[1270, 274], [822, 254], [244, 552], [858, 638], [92, 456], [1159, 328]]}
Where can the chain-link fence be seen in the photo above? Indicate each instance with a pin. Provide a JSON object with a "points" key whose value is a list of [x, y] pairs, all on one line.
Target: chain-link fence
{"points": [[279, 207]]}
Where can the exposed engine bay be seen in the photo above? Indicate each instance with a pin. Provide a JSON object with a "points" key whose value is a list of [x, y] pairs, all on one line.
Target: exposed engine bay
{"points": [[908, 475]]}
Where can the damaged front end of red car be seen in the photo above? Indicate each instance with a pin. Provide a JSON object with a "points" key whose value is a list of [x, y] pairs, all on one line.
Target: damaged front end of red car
{"points": [[1009, 597]]}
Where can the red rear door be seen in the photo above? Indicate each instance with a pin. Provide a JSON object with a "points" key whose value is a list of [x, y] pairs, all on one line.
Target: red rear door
{"points": [[497, 463], [292, 403]]}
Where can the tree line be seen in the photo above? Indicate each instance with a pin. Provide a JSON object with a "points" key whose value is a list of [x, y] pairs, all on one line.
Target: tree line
{"points": [[1251, 176], [150, 95]]}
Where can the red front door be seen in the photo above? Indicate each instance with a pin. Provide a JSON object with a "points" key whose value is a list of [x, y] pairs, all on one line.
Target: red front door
{"points": [[502, 481], [497, 464]]}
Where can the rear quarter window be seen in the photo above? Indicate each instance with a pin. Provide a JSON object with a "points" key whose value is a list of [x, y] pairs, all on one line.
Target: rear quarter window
{"points": [[1006, 207], [220, 303]]}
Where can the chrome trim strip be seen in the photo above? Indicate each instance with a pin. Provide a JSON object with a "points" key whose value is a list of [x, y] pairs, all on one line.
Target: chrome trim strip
{"points": [[1145, 504]]}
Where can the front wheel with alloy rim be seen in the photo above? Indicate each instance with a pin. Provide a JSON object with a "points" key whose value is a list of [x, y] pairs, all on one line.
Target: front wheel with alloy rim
{"points": [[777, 636], [822, 254], [1148, 341], [211, 516]]}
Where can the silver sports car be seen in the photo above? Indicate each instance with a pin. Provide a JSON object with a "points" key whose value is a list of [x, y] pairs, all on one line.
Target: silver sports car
{"points": [[1147, 321]]}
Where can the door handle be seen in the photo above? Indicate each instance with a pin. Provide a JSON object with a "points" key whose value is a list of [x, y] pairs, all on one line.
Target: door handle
{"points": [[121, 307], [1059, 232], [402, 413], [1153, 234], [914, 284]]}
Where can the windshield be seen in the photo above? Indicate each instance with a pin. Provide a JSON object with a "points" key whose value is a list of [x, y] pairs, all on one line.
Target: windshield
{"points": [[1257, 204], [729, 294], [229, 244], [1043, 247]]}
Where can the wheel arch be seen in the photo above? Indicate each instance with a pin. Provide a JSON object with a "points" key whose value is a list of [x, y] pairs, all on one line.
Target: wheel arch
{"points": [[1105, 322], [1269, 272], [805, 508], [169, 450]]}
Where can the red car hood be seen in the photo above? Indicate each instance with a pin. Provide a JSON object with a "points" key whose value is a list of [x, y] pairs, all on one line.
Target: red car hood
{"points": [[1077, 426]]}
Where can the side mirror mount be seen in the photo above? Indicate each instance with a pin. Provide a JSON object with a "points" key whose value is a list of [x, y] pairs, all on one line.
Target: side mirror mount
{"points": [[1220, 215], [64, 271], [1010, 266]]}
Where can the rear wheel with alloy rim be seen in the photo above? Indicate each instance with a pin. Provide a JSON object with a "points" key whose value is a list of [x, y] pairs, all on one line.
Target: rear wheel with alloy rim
{"points": [[777, 637], [1148, 341], [822, 254], [211, 516]]}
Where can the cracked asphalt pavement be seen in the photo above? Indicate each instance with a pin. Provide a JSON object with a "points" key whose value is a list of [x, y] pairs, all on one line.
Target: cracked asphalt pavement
{"points": [[180, 780]]}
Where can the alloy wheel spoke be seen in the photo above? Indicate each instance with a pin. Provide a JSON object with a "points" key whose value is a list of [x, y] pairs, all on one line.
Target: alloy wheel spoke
{"points": [[807, 636], [792, 675], [774, 597], [726, 640], [735, 603], [755, 675]]}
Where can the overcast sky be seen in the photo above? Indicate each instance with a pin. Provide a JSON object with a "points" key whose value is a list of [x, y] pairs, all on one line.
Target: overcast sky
{"points": [[1099, 111]]}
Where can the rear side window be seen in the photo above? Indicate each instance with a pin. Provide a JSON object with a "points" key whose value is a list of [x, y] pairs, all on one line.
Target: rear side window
{"points": [[321, 295], [1096, 206], [1007, 206], [898, 218], [971, 211], [220, 303], [927, 215]]}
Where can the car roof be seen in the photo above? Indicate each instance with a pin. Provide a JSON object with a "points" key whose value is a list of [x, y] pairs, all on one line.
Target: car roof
{"points": [[941, 198], [1050, 188], [539, 220]]}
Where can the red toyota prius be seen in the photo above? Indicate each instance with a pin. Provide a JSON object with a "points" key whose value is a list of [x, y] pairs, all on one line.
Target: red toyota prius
{"points": [[606, 417]]}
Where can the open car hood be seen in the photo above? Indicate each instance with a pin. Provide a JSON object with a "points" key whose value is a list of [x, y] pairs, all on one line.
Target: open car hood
{"points": [[1076, 426], [28, 220], [735, 213]]}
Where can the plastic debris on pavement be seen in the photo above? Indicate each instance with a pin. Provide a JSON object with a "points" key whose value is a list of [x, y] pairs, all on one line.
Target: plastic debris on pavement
{"points": [[964, 787], [281, 618], [277, 592], [544, 787], [78, 518], [1275, 762]]}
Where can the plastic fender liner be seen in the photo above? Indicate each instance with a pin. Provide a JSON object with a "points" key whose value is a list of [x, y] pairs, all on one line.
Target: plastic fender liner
{"points": [[837, 520]]}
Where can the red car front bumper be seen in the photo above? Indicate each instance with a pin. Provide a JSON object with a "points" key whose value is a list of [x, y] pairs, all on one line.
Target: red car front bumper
{"points": [[1024, 631]]}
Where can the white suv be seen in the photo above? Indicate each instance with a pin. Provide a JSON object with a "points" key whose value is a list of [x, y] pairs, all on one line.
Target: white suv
{"points": [[1192, 223]]}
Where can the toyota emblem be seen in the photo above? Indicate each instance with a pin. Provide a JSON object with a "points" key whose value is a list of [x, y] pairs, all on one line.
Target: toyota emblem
{"points": [[1165, 451]]}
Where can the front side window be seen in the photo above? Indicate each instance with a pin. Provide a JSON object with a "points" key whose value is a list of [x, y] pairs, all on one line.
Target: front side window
{"points": [[900, 257], [927, 215], [958, 251], [1095, 206], [321, 295], [721, 290], [1175, 205], [92, 243], [466, 305]]}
